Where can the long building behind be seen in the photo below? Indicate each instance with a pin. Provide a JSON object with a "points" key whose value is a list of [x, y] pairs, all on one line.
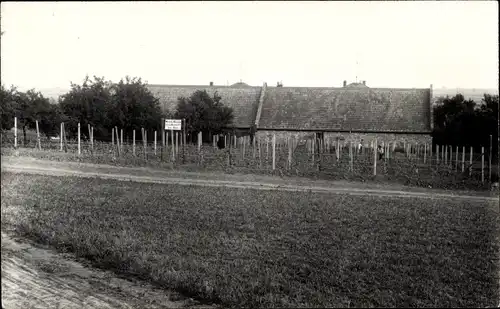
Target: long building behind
{"points": [[351, 112]]}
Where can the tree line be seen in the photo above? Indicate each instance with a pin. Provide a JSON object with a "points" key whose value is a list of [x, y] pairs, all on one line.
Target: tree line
{"points": [[102, 104], [461, 122]]}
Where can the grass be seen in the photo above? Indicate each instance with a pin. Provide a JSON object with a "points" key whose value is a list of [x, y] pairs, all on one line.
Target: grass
{"points": [[247, 248]]}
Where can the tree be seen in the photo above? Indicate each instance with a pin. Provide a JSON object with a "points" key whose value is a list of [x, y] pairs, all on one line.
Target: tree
{"points": [[204, 113], [7, 105], [464, 123], [127, 105]]}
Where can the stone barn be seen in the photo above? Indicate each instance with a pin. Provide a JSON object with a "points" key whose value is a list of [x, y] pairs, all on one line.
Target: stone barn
{"points": [[242, 98], [353, 112]]}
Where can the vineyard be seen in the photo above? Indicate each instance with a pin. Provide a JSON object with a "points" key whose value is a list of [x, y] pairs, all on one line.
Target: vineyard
{"points": [[419, 165]]}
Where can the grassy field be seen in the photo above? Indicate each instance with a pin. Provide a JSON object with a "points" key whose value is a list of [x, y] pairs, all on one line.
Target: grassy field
{"points": [[251, 248]]}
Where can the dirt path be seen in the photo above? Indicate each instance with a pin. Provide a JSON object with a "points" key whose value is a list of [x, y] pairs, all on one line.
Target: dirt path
{"points": [[36, 166], [36, 277]]}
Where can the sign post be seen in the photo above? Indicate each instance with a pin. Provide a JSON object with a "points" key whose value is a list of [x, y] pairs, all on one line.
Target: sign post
{"points": [[173, 125]]}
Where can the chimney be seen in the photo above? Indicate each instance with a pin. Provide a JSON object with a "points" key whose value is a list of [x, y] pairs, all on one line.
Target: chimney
{"points": [[345, 83], [364, 83], [211, 83]]}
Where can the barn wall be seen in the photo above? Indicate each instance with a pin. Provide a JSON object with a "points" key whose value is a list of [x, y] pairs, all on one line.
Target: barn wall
{"points": [[350, 137]]}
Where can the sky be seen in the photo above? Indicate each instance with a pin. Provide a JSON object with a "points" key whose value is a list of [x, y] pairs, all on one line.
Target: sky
{"points": [[388, 44]]}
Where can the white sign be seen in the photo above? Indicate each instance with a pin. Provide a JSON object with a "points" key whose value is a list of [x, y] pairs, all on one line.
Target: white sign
{"points": [[173, 124]]}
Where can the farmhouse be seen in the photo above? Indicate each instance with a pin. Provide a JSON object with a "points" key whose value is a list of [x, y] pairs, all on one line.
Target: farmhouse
{"points": [[353, 112]]}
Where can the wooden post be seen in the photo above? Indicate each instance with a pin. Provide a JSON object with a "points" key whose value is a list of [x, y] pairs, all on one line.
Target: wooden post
{"points": [[470, 159], [92, 138], [183, 140], [338, 149], [243, 141], [199, 142], [133, 142], [451, 157], [117, 141], [176, 144], [172, 143], [213, 141], [90, 135], [145, 144], [260, 153], [289, 153], [430, 154], [313, 148], [253, 146], [437, 154], [121, 140], [463, 158], [375, 157], [155, 143], [60, 135], [15, 133], [65, 139], [79, 145], [274, 152], [163, 142], [38, 136], [456, 158], [351, 160], [489, 159], [482, 164], [113, 137], [267, 148], [425, 152], [225, 141]]}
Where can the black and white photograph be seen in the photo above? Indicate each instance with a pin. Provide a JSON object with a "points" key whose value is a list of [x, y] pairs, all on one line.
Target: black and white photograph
{"points": [[249, 154]]}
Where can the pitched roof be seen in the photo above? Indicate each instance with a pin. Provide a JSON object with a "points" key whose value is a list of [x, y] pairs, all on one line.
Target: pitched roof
{"points": [[364, 109], [243, 100]]}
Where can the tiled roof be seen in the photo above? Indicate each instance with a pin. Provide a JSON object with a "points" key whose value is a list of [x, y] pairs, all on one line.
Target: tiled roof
{"points": [[364, 109], [243, 100]]}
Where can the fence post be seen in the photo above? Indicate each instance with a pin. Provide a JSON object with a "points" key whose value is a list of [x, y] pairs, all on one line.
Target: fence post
{"points": [[375, 157], [470, 161], [463, 158], [244, 141], [79, 146], [351, 159], [15, 134], [482, 164], [155, 143], [313, 149], [437, 154], [425, 152], [117, 141], [172, 144], [456, 158], [92, 138], [267, 148], [38, 136], [133, 142], [274, 151], [289, 153], [176, 144], [200, 136], [121, 140], [253, 147], [225, 141], [90, 134], [61, 136], [259, 144], [430, 154], [451, 157], [489, 159], [65, 139]]}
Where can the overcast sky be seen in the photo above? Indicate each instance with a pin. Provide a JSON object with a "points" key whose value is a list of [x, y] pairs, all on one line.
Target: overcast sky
{"points": [[396, 44]]}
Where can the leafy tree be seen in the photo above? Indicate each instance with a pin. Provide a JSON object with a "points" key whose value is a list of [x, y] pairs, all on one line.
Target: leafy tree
{"points": [[204, 113], [464, 123], [7, 105], [127, 105]]}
